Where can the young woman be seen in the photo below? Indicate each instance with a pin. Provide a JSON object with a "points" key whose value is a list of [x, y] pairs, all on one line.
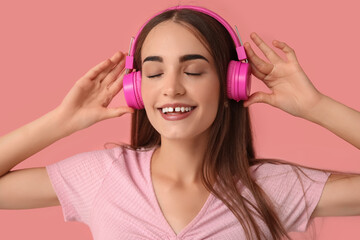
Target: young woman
{"points": [[191, 174]]}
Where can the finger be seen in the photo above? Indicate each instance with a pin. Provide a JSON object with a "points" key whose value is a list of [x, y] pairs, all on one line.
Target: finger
{"points": [[115, 87], [258, 74], [95, 71], [114, 73], [105, 65], [115, 59], [116, 112], [289, 52], [268, 52], [258, 97], [261, 65]]}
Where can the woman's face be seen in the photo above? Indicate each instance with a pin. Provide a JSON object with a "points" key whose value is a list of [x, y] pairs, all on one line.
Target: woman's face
{"points": [[170, 54]]}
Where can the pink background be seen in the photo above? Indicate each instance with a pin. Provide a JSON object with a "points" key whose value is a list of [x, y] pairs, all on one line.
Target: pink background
{"points": [[47, 45]]}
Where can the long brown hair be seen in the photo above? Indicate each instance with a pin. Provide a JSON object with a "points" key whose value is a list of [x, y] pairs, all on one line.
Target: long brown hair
{"points": [[230, 147]]}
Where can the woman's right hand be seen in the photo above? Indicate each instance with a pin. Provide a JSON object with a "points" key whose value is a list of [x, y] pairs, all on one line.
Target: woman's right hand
{"points": [[87, 102]]}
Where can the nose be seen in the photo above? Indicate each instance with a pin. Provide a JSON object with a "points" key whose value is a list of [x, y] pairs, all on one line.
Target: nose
{"points": [[173, 85]]}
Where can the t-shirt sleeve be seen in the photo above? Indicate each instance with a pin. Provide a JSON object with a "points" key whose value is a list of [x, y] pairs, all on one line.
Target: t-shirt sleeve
{"points": [[77, 179], [294, 195]]}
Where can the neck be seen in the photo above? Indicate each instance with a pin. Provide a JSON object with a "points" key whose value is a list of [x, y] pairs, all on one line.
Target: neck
{"points": [[180, 160]]}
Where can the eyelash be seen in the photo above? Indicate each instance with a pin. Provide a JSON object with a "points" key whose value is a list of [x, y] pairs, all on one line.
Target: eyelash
{"points": [[190, 74]]}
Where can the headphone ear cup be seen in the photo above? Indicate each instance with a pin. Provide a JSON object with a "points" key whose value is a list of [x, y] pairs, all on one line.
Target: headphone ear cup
{"points": [[238, 80], [132, 90]]}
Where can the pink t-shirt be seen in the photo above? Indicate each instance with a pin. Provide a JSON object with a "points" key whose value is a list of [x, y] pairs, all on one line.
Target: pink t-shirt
{"points": [[111, 191]]}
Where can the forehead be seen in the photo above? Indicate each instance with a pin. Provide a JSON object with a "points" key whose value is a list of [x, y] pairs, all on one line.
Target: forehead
{"points": [[171, 39]]}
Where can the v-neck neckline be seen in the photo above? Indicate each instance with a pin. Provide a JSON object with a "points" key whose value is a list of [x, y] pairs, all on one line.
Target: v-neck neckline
{"points": [[160, 213]]}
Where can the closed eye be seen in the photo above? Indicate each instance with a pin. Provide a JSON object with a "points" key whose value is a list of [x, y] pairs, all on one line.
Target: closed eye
{"points": [[154, 76], [190, 74], [193, 74]]}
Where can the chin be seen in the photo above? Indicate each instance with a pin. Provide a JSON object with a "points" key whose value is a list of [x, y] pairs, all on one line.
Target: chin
{"points": [[175, 136], [181, 134]]}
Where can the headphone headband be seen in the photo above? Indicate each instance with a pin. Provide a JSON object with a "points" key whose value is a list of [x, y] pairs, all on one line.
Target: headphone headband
{"points": [[236, 38]]}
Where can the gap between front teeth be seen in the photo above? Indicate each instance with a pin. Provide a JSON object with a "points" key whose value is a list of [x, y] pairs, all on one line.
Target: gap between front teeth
{"points": [[177, 109]]}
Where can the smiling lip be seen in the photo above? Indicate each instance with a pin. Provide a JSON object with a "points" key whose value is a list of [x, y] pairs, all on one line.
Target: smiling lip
{"points": [[176, 116]]}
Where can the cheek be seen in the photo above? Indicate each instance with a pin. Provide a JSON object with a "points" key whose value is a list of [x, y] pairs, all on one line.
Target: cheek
{"points": [[210, 92], [147, 91], [209, 98]]}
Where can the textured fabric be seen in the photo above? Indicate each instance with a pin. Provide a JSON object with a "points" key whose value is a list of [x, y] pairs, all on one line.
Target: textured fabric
{"points": [[111, 191]]}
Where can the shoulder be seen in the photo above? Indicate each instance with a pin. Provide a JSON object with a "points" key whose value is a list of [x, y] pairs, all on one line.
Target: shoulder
{"points": [[294, 190], [95, 160], [285, 182], [289, 184], [280, 170], [109, 155], [95, 165]]}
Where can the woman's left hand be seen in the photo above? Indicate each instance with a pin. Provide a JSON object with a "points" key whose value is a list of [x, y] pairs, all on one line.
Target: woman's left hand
{"points": [[292, 91]]}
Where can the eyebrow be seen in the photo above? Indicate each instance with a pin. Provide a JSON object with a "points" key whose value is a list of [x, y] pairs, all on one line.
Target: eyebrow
{"points": [[182, 59]]}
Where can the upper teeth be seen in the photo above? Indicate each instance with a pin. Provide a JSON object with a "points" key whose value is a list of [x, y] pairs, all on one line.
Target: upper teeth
{"points": [[177, 109]]}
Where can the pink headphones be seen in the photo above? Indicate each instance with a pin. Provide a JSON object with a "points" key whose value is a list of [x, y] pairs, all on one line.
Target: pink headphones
{"points": [[238, 73]]}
